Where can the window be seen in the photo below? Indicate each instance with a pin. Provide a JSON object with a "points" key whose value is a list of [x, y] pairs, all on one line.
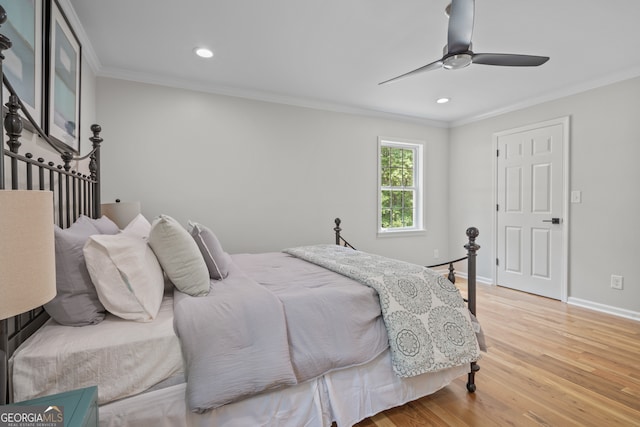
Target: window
{"points": [[400, 186]]}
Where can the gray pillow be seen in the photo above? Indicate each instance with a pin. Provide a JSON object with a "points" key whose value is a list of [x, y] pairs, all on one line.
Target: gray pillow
{"points": [[215, 257], [179, 256], [76, 302], [105, 225]]}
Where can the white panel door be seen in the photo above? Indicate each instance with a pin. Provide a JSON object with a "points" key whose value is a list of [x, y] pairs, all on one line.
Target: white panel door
{"points": [[530, 195]]}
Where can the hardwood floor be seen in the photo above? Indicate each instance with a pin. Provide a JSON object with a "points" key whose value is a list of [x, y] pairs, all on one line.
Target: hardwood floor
{"points": [[548, 364]]}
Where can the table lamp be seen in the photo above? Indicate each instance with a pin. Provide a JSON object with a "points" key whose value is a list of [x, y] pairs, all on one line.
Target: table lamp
{"points": [[122, 213], [27, 260], [27, 251]]}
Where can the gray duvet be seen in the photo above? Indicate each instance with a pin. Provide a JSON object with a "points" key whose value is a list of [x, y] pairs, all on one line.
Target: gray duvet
{"points": [[274, 321]]}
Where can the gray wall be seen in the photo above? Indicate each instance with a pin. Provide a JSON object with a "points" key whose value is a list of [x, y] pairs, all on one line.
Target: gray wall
{"points": [[263, 176], [605, 148], [283, 194]]}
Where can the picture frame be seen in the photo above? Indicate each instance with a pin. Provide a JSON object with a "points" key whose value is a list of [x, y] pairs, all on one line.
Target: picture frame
{"points": [[23, 63], [63, 80]]}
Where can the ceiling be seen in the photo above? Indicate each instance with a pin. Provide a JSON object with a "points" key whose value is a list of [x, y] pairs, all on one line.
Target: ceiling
{"points": [[333, 53]]}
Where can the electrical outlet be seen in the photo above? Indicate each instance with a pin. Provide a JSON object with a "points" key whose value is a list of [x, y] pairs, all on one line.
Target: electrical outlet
{"points": [[616, 282], [436, 253]]}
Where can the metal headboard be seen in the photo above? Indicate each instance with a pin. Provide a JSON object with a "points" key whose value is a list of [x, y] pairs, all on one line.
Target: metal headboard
{"points": [[75, 194]]}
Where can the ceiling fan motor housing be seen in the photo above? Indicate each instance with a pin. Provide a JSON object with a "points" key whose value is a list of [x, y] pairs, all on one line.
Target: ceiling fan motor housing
{"points": [[455, 61]]}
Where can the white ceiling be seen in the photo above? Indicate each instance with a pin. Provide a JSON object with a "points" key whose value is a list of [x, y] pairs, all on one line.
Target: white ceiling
{"points": [[333, 53]]}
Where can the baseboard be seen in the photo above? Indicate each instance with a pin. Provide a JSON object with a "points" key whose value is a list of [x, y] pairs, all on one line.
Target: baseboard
{"points": [[479, 279], [463, 275], [616, 311]]}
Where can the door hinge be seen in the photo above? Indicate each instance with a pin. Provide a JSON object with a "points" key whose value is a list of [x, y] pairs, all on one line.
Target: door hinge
{"points": [[497, 153], [497, 208], [497, 262]]}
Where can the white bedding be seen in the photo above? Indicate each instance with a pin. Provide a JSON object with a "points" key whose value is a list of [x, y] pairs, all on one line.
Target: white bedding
{"points": [[346, 396], [107, 354]]}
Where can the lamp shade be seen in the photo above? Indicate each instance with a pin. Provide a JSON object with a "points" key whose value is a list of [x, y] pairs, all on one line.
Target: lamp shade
{"points": [[27, 251], [122, 213]]}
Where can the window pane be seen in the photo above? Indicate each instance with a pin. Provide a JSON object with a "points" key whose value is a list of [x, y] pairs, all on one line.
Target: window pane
{"points": [[386, 199], [396, 217], [408, 217], [408, 199], [384, 157], [408, 158], [407, 177], [396, 199], [386, 218], [396, 177], [396, 157], [386, 177]]}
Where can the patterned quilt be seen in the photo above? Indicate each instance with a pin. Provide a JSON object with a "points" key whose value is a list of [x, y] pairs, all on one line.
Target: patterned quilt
{"points": [[427, 321]]}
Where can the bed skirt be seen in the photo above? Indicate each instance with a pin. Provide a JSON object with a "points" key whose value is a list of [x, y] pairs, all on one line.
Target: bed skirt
{"points": [[345, 396]]}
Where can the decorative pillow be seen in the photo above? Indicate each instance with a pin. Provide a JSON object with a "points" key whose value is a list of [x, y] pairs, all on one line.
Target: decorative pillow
{"points": [[82, 222], [139, 226], [179, 256], [215, 257], [105, 225], [126, 274], [76, 302]]}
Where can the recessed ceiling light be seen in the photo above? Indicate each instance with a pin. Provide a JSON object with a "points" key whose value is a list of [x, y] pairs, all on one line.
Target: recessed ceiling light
{"points": [[442, 100], [203, 52]]}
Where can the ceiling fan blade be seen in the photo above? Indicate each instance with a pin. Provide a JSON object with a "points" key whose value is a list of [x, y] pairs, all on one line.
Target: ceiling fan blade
{"points": [[428, 67], [509, 60], [460, 26]]}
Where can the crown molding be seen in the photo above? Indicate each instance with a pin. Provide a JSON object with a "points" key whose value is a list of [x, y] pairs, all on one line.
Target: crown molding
{"points": [[552, 96], [263, 96], [341, 108]]}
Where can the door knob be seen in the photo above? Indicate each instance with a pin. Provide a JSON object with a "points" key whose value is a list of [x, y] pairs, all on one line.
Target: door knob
{"points": [[552, 220]]}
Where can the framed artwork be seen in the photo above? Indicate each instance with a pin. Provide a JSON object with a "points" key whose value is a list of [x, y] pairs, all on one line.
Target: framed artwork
{"points": [[23, 61], [63, 103]]}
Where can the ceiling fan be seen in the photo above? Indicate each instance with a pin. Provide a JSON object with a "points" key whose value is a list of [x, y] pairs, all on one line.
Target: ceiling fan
{"points": [[458, 54]]}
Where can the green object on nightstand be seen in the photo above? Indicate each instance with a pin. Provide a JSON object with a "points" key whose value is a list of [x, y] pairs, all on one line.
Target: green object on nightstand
{"points": [[80, 406]]}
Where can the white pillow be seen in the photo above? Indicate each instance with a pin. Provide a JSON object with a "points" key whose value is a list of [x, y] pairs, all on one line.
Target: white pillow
{"points": [[179, 256], [126, 274], [139, 226]]}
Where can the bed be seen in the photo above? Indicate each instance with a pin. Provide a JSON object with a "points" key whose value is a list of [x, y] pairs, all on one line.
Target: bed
{"points": [[310, 336]]}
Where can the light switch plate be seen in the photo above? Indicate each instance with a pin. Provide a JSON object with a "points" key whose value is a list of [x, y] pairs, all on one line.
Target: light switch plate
{"points": [[576, 196]]}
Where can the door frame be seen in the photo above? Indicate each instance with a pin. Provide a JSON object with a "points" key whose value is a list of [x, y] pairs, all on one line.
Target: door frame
{"points": [[565, 122]]}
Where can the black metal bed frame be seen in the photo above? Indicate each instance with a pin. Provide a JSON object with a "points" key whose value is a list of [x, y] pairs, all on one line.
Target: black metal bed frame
{"points": [[75, 194], [472, 249]]}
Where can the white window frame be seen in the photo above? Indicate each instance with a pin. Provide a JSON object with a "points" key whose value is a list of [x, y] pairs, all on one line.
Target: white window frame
{"points": [[418, 159]]}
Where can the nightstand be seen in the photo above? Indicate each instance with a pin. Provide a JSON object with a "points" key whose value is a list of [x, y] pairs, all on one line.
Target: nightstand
{"points": [[80, 406]]}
